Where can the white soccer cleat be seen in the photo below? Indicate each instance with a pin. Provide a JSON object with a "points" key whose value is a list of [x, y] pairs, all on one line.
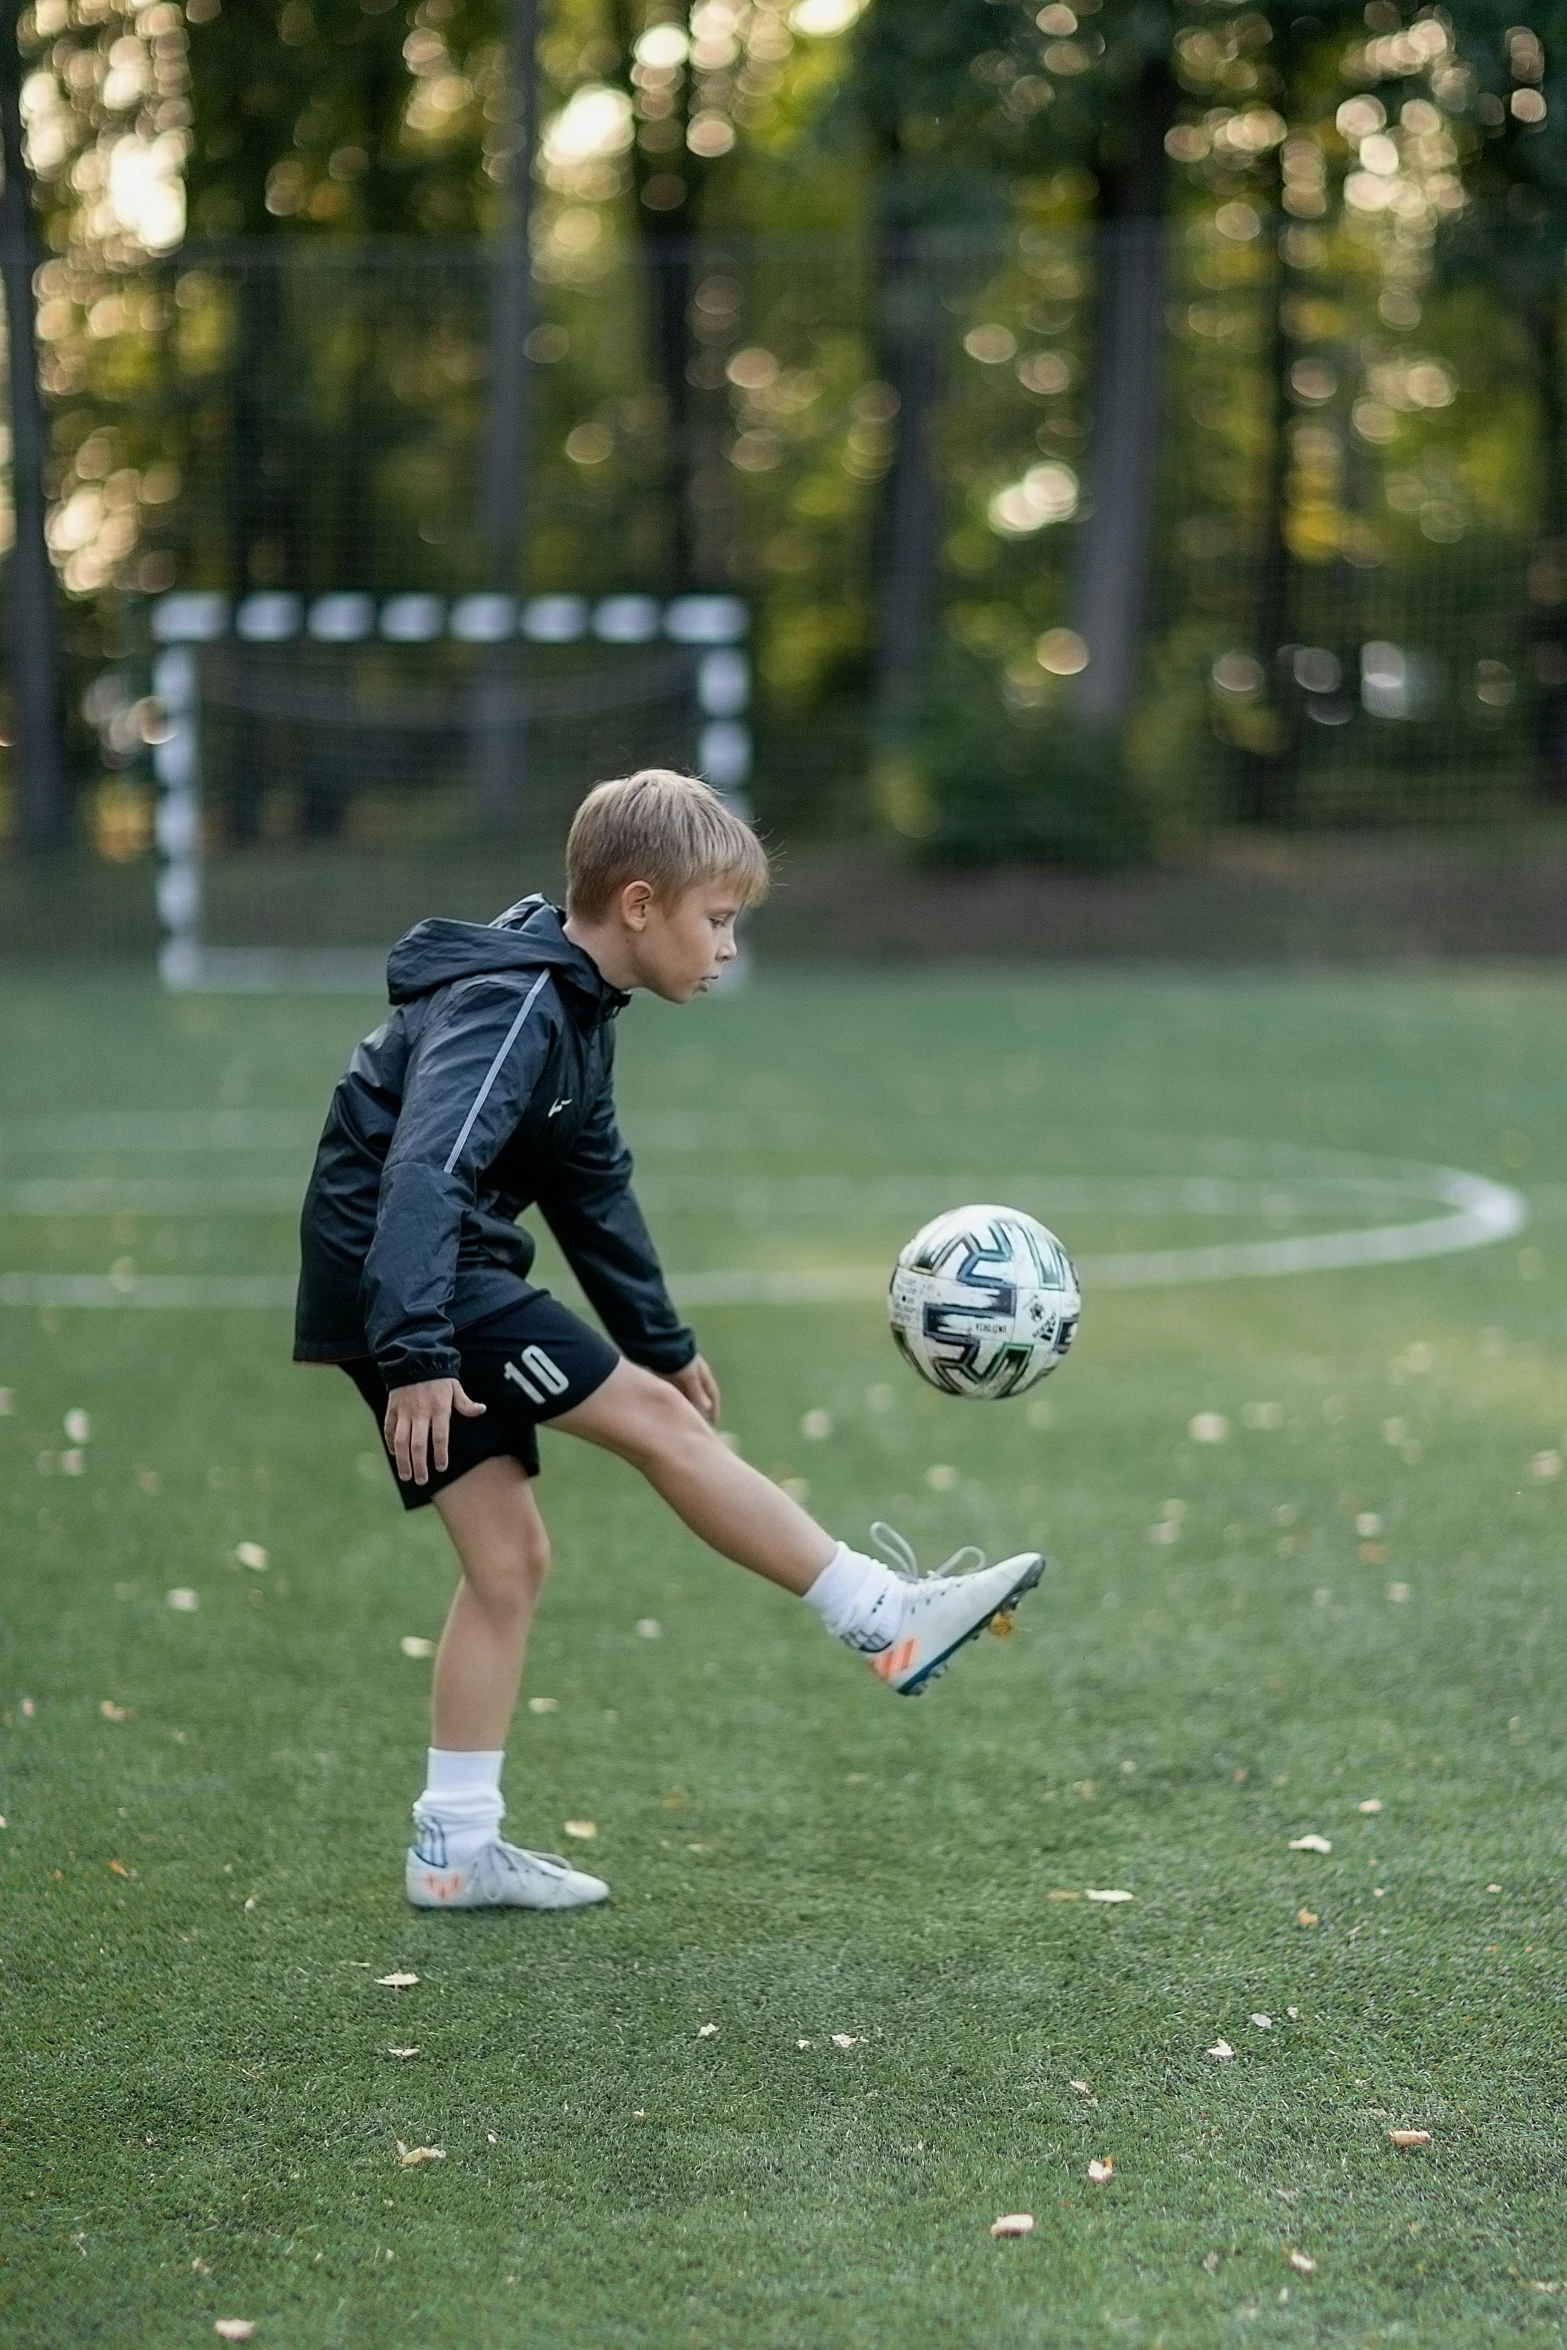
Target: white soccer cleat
{"points": [[942, 1612], [501, 1876]]}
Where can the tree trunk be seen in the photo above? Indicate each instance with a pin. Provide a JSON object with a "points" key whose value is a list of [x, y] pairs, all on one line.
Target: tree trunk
{"points": [[1548, 576], [500, 730], [1270, 774], [34, 631], [1116, 541], [668, 230], [907, 559]]}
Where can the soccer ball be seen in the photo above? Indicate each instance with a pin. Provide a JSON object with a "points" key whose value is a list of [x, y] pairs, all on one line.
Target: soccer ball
{"points": [[983, 1302]]}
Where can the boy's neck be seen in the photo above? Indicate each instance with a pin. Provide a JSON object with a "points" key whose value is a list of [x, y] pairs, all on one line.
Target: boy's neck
{"points": [[605, 946]]}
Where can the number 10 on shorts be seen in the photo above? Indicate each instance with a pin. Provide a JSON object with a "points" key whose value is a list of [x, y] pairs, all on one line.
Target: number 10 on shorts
{"points": [[537, 1374]]}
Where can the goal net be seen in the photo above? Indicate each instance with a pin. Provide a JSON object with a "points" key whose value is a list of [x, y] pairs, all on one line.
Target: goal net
{"points": [[334, 768]]}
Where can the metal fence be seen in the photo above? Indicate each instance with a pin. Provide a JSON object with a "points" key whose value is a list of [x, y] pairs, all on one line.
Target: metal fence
{"points": [[1348, 616]]}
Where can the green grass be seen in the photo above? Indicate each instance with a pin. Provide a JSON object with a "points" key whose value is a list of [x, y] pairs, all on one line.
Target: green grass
{"points": [[198, 2116]]}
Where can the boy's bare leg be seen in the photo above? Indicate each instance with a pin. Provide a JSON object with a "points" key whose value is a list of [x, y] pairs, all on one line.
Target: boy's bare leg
{"points": [[501, 1541], [459, 1859], [733, 1507]]}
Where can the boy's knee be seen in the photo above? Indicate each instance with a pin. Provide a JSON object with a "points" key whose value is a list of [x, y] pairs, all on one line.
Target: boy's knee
{"points": [[661, 1418], [512, 1571]]}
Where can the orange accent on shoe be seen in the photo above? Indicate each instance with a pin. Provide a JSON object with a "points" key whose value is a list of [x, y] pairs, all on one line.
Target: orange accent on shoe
{"points": [[443, 1888], [894, 1660]]}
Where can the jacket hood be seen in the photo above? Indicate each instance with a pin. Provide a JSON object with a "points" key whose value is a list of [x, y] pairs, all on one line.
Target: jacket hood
{"points": [[527, 937]]}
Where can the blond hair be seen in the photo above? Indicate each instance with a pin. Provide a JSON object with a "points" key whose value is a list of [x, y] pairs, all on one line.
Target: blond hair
{"points": [[671, 831]]}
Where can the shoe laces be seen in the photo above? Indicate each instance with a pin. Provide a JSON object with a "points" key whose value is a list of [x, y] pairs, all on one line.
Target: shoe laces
{"points": [[900, 1555], [524, 1852]]}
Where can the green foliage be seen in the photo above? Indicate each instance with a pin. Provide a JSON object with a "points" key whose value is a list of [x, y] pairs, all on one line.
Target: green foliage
{"points": [[1001, 785]]}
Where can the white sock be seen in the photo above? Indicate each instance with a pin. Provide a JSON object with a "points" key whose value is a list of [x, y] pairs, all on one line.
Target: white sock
{"points": [[858, 1599], [461, 1809]]}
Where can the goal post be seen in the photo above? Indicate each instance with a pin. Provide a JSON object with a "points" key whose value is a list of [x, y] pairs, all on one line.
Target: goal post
{"points": [[325, 761]]}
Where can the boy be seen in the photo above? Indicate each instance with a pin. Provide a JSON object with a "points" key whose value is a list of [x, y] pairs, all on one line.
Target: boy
{"points": [[486, 1092]]}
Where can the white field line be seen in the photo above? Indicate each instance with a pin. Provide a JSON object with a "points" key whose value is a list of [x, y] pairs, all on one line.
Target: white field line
{"points": [[1482, 1212]]}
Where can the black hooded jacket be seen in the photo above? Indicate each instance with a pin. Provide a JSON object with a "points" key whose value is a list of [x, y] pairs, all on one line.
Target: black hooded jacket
{"points": [[486, 1091]]}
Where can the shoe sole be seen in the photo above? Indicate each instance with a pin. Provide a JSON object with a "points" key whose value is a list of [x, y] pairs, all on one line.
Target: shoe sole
{"points": [[921, 1681]]}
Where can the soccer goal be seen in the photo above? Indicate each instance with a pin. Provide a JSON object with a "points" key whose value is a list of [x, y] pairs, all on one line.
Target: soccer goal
{"points": [[334, 767]]}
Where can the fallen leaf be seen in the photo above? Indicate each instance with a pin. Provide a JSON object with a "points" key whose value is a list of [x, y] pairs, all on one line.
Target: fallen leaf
{"points": [[1081, 2087], [1306, 1917], [941, 1477], [1221, 2049], [1310, 1844], [649, 1628], [544, 1705], [1544, 1466], [1373, 1554], [1013, 2223], [109, 1710], [802, 2044], [1397, 1592], [234, 2329], [397, 1982], [74, 1462], [1410, 2137], [1064, 1893], [184, 1603], [1293, 2013], [583, 1830], [1114, 1896], [1493, 1888], [402, 2052], [251, 1554], [1368, 1525], [414, 1644], [1099, 2171], [119, 1868], [200, 2268], [1264, 2023], [77, 1426], [410, 2157], [1372, 1803], [706, 2031], [848, 2040], [1303, 2263], [1208, 1428]]}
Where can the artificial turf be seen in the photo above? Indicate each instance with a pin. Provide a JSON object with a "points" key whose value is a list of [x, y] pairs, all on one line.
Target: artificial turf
{"points": [[199, 2117]]}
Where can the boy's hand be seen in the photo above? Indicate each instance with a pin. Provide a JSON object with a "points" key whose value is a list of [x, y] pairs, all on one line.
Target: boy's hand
{"points": [[697, 1384], [417, 1422]]}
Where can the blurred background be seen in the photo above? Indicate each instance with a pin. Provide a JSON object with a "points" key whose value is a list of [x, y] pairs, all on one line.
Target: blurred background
{"points": [[1091, 478]]}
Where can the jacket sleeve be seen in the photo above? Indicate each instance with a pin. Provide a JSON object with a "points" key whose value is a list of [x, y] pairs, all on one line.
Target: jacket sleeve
{"points": [[472, 1071], [592, 1211]]}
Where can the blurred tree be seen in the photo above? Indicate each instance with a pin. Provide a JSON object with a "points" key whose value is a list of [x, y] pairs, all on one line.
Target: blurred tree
{"points": [[1512, 239], [33, 628]]}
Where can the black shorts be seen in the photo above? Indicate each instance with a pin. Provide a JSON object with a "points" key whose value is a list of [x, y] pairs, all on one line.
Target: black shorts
{"points": [[530, 1362]]}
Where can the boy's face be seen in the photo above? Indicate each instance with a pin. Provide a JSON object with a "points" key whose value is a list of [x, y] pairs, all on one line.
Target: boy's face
{"points": [[678, 950]]}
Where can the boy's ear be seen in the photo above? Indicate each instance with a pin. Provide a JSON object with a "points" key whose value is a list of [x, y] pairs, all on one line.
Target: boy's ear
{"points": [[636, 900]]}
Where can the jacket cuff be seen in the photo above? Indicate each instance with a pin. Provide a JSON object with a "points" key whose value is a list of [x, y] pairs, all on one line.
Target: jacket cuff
{"points": [[666, 1354], [408, 1371]]}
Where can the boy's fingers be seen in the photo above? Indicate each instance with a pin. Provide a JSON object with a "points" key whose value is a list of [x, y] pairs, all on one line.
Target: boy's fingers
{"points": [[440, 1423], [465, 1403]]}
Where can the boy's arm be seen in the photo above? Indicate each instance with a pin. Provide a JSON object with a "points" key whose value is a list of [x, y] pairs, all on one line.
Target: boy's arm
{"points": [[471, 1075], [593, 1213]]}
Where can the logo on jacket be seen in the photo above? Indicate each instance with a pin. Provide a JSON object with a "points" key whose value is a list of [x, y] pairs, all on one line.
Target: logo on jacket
{"points": [[557, 1107]]}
